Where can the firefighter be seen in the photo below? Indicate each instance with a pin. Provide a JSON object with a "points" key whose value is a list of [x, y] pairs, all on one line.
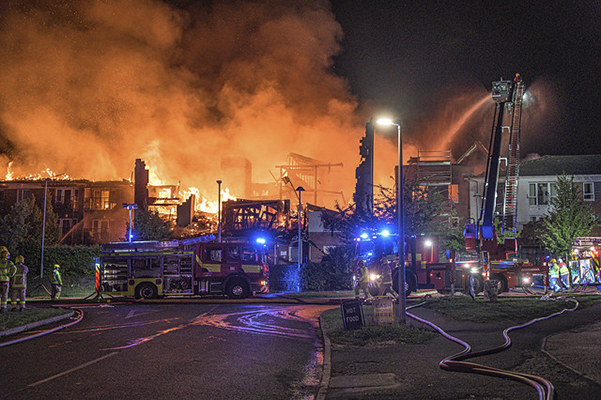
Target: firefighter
{"points": [[363, 283], [386, 286], [554, 275], [18, 285], [7, 270], [56, 282], [564, 274]]}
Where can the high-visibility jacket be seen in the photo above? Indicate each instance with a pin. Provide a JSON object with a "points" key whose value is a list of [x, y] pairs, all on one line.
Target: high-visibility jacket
{"points": [[56, 277], [7, 269], [19, 280], [554, 271], [563, 269]]}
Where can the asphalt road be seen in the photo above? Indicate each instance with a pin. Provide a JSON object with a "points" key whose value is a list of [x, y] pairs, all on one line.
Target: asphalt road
{"points": [[167, 351]]}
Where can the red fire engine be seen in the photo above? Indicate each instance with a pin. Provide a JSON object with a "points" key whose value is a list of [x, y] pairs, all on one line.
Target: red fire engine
{"points": [[497, 260], [423, 268], [182, 268]]}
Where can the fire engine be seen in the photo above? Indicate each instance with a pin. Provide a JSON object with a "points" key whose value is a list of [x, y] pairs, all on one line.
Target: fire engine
{"points": [[423, 268], [197, 266], [498, 260]]}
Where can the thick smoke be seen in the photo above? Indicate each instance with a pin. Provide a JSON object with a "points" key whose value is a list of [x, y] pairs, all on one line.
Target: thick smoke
{"points": [[88, 87]]}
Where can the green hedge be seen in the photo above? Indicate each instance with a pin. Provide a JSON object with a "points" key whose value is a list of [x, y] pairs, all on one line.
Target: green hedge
{"points": [[74, 260]]}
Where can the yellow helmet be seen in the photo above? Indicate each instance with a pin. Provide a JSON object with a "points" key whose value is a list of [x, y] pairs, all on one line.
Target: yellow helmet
{"points": [[553, 260], [56, 266], [20, 259]]}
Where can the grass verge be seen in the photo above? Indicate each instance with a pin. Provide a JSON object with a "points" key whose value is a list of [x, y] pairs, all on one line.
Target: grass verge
{"points": [[14, 319], [333, 327], [506, 308]]}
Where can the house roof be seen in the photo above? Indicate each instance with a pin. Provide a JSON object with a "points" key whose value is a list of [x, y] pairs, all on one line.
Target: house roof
{"points": [[557, 165]]}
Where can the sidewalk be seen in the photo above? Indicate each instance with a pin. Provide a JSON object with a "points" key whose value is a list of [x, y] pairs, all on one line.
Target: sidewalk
{"points": [[564, 350]]}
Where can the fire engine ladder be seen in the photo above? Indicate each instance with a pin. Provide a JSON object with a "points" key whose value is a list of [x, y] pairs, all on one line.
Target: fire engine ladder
{"points": [[510, 200]]}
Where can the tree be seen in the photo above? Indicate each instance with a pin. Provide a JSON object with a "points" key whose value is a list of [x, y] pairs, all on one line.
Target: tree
{"points": [[52, 231], [15, 226], [148, 225], [21, 228], [568, 217], [424, 208], [425, 213]]}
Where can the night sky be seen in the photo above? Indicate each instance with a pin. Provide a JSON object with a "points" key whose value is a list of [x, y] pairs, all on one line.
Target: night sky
{"points": [[415, 58], [89, 86]]}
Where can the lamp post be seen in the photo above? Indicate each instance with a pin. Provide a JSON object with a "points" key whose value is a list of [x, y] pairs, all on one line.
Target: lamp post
{"points": [[400, 220], [130, 207], [44, 228], [219, 211], [299, 189]]}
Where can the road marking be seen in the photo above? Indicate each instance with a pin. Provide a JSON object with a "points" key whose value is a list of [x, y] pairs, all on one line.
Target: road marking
{"points": [[73, 369], [136, 313]]}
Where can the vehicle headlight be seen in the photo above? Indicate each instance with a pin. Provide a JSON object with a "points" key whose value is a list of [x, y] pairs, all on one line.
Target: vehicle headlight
{"points": [[474, 270]]}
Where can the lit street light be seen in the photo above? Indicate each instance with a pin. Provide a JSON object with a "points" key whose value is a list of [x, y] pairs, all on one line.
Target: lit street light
{"points": [[400, 220]]}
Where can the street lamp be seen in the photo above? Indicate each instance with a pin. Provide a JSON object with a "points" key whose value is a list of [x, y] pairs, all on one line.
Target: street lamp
{"points": [[44, 227], [299, 189], [130, 207], [219, 211], [400, 220]]}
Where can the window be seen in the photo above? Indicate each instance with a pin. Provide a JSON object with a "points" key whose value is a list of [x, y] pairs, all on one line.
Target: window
{"points": [[588, 191], [233, 254], [540, 194], [213, 254], [23, 194], [63, 196], [249, 254], [100, 200], [100, 229], [454, 193]]}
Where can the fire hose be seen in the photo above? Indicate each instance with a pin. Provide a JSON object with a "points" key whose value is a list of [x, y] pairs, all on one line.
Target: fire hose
{"points": [[78, 319], [456, 362]]}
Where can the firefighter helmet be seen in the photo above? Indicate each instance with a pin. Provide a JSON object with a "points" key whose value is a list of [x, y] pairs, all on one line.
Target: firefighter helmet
{"points": [[20, 259]]}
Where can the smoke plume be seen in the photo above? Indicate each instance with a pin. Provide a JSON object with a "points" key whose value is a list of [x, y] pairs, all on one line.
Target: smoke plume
{"points": [[87, 87]]}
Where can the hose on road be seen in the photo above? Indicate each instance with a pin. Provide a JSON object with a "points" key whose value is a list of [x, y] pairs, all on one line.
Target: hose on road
{"points": [[78, 318], [456, 362]]}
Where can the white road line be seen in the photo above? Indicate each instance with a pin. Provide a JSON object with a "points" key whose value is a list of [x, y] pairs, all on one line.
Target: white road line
{"points": [[73, 369]]}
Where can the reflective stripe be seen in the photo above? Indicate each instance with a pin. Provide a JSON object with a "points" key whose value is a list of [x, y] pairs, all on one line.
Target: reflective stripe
{"points": [[212, 267], [252, 269]]}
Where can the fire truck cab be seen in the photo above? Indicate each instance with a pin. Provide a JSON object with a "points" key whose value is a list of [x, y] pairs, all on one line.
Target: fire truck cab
{"points": [[423, 268]]}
